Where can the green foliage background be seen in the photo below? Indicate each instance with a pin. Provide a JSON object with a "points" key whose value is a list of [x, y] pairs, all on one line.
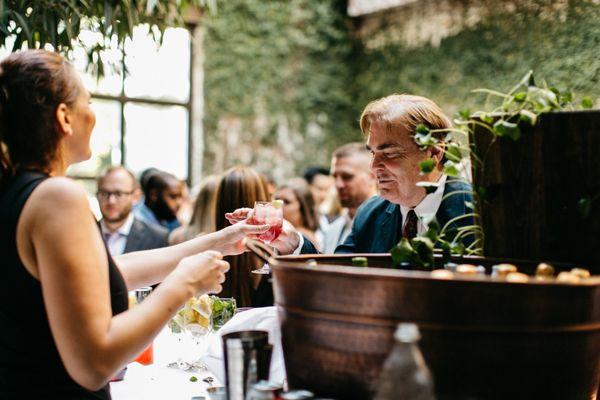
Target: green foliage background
{"points": [[299, 60], [281, 70], [562, 48]]}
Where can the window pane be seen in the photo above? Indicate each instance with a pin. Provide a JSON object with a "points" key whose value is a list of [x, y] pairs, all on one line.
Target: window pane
{"points": [[158, 74], [156, 136], [106, 140]]}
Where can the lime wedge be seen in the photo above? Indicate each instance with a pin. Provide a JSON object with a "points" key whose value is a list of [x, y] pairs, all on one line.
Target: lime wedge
{"points": [[277, 203]]}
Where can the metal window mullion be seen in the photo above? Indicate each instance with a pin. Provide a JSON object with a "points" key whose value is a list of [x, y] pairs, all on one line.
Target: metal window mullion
{"points": [[190, 109], [122, 101]]}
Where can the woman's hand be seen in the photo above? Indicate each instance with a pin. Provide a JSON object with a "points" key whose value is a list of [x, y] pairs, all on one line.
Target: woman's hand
{"points": [[203, 272], [231, 240], [286, 243]]}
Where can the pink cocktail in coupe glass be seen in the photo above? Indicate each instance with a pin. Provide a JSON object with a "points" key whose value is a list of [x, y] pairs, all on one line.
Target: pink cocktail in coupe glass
{"points": [[268, 213]]}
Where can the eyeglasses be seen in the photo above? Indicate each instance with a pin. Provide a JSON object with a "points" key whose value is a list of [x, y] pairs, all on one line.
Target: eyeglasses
{"points": [[104, 195]]}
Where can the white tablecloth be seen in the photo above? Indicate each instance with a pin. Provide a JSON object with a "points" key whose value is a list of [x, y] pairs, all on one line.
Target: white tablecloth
{"points": [[157, 381]]}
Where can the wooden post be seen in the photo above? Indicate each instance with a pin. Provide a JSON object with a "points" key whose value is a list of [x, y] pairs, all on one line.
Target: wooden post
{"points": [[534, 186]]}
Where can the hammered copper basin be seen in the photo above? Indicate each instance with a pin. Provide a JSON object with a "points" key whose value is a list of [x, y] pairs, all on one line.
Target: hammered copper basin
{"points": [[482, 338]]}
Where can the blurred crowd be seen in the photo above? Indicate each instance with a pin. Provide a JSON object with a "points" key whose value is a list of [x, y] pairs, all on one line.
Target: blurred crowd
{"points": [[157, 209]]}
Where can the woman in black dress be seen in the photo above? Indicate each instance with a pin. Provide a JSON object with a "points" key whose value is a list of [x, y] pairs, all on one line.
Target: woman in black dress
{"points": [[64, 325]]}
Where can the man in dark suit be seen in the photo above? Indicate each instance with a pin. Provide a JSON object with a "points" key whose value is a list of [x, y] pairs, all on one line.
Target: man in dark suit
{"points": [[117, 192], [403, 206]]}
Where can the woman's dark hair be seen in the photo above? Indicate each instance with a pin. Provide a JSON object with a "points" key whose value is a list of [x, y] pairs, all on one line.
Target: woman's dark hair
{"points": [[33, 83], [239, 187]]}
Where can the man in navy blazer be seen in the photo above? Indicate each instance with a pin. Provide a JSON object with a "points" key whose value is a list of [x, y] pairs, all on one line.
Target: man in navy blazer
{"points": [[376, 228], [403, 205]]}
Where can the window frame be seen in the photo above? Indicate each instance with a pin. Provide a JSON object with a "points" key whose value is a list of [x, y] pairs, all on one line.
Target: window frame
{"points": [[123, 99]]}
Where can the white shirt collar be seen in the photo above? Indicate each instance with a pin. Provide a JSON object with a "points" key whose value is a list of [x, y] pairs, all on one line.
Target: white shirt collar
{"points": [[430, 203], [123, 230]]}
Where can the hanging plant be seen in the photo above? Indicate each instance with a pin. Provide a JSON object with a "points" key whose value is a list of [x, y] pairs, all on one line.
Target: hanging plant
{"points": [[58, 23]]}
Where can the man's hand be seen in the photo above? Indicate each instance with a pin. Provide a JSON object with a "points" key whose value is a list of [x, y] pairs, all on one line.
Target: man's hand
{"points": [[286, 243]]}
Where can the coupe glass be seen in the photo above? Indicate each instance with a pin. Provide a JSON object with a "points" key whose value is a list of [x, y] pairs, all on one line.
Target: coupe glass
{"points": [[269, 213]]}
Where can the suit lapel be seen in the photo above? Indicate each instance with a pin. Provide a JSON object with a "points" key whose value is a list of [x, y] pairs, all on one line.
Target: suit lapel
{"points": [[387, 235], [135, 237]]}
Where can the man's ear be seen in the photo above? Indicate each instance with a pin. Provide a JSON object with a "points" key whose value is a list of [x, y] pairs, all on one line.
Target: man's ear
{"points": [[437, 152], [64, 119], [137, 195], [153, 196]]}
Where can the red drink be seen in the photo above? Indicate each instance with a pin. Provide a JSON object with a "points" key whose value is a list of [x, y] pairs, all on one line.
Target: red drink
{"points": [[147, 356], [272, 234], [269, 213]]}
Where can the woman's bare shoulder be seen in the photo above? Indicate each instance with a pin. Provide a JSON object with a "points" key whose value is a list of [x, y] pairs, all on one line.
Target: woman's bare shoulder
{"points": [[58, 196]]}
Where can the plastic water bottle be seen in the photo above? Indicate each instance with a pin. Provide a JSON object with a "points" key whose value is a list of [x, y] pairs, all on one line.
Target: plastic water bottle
{"points": [[405, 375]]}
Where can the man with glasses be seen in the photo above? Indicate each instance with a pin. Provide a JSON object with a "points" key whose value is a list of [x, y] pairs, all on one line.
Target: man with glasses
{"points": [[117, 192]]}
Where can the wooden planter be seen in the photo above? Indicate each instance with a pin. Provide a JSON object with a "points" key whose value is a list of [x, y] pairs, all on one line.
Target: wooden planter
{"points": [[534, 186], [482, 338]]}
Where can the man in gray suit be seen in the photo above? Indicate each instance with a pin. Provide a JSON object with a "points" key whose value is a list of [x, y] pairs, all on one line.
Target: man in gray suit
{"points": [[355, 184], [118, 191]]}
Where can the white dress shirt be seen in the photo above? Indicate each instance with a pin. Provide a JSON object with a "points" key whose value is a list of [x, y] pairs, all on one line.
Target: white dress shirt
{"points": [[427, 207], [337, 232], [117, 240]]}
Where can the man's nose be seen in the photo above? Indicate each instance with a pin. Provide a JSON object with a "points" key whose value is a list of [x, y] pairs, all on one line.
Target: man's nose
{"points": [[375, 162], [112, 199]]}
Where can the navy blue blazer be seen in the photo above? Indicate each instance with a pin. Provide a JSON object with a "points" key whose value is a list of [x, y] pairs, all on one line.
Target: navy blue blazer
{"points": [[378, 222]]}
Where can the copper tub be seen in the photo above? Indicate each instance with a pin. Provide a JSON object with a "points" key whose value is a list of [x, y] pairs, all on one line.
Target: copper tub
{"points": [[482, 338]]}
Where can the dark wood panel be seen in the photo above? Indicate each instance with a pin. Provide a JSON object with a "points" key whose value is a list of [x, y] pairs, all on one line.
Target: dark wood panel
{"points": [[534, 186]]}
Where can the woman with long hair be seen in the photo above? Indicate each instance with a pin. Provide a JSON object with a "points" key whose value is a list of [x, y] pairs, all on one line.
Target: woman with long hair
{"points": [[241, 187], [65, 325], [203, 216], [299, 206]]}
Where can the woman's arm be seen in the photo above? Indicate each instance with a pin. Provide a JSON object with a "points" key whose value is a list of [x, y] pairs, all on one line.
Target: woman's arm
{"points": [[62, 245], [148, 267]]}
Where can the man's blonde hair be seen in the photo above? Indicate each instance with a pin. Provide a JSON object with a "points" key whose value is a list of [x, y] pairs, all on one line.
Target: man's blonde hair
{"points": [[404, 111]]}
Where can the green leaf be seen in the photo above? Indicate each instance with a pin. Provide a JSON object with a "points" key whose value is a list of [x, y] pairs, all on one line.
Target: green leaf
{"points": [[451, 169], [584, 207], [193, 379], [464, 114], [528, 117], [403, 252], [425, 140], [486, 118], [446, 252], [505, 128], [433, 228], [457, 248], [424, 248], [543, 98], [426, 166], [566, 98], [422, 129], [453, 152], [587, 102], [520, 97]]}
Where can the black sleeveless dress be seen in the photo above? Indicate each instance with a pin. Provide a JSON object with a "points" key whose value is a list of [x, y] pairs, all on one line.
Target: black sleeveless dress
{"points": [[30, 366]]}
